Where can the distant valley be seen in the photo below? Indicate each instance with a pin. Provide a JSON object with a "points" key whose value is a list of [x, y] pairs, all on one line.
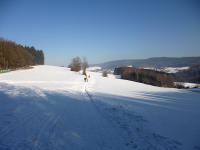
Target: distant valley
{"points": [[155, 62]]}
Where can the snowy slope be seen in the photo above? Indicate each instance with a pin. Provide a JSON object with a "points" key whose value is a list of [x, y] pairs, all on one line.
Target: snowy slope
{"points": [[52, 108], [171, 114]]}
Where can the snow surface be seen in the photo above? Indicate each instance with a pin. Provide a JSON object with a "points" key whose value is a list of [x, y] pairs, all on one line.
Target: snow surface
{"points": [[175, 69], [52, 108], [191, 85], [188, 85]]}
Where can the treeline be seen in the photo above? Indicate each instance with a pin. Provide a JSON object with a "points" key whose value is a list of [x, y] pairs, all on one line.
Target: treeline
{"points": [[38, 56], [191, 75], [14, 55], [151, 77]]}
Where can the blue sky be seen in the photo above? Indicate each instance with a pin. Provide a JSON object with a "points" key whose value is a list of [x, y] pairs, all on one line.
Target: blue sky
{"points": [[103, 30]]}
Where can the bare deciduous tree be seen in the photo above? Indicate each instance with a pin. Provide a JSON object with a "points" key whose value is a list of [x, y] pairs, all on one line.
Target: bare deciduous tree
{"points": [[76, 64], [84, 65]]}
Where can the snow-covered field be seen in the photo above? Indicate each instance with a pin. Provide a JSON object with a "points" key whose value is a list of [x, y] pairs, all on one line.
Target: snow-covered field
{"points": [[170, 69], [52, 108], [94, 69], [174, 69]]}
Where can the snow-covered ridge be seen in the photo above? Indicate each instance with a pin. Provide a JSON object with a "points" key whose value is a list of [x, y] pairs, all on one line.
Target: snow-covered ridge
{"points": [[169, 69], [174, 69], [95, 68]]}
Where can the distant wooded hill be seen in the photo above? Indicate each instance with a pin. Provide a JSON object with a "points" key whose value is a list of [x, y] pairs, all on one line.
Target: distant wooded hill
{"points": [[157, 78], [151, 77], [156, 62], [14, 55]]}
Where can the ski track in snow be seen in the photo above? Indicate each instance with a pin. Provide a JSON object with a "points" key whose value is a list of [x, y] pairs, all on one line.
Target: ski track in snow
{"points": [[52, 108], [132, 128]]}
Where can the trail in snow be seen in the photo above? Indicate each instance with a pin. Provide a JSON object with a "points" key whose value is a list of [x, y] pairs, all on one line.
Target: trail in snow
{"points": [[171, 115], [55, 120], [53, 108], [59, 122], [132, 127]]}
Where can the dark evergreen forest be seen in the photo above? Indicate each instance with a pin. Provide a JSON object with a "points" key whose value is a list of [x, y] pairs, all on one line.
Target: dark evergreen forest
{"points": [[14, 55]]}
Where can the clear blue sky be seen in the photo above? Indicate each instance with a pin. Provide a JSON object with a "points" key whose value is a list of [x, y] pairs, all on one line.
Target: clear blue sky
{"points": [[103, 30]]}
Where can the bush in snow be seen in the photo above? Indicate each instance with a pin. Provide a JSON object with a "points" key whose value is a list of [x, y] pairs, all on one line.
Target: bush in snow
{"points": [[105, 74]]}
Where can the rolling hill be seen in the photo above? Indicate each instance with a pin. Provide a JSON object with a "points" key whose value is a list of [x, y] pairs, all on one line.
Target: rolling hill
{"points": [[51, 107], [155, 62]]}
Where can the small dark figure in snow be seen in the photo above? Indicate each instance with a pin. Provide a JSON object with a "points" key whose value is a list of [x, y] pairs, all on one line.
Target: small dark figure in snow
{"points": [[86, 79]]}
